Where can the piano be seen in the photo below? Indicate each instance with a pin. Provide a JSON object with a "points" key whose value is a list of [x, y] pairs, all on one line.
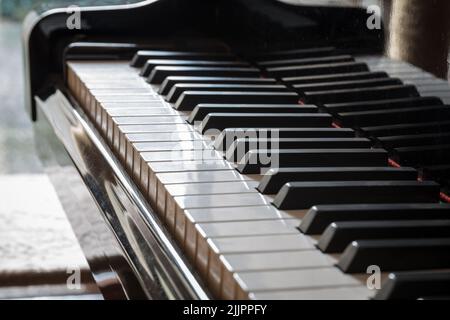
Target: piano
{"points": [[243, 149]]}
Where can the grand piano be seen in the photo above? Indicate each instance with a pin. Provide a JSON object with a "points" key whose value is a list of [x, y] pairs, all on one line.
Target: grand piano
{"points": [[243, 149]]}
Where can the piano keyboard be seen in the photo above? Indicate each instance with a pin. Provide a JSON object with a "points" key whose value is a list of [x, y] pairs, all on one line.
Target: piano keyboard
{"points": [[285, 176]]}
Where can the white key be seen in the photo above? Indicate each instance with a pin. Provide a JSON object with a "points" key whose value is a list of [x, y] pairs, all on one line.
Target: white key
{"points": [[277, 260], [170, 206], [183, 189], [286, 279], [200, 176], [171, 145], [122, 91], [243, 228], [162, 136], [132, 83], [148, 128], [134, 160], [226, 214], [181, 166], [197, 155], [220, 271], [264, 243], [196, 236], [122, 121], [157, 104], [119, 134], [185, 223], [137, 112]]}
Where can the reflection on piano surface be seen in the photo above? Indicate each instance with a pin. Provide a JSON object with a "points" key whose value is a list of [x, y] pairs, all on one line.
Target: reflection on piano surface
{"points": [[281, 153]]}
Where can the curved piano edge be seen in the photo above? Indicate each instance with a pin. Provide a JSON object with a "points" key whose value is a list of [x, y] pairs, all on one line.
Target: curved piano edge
{"points": [[42, 30], [154, 259]]}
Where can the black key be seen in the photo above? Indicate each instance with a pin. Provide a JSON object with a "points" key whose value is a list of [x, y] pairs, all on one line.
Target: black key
{"points": [[318, 69], [396, 254], [256, 160], [404, 129], [335, 77], [352, 95], [160, 73], [415, 140], [241, 146], [169, 82], [202, 110], [178, 89], [143, 55], [229, 135], [272, 182], [190, 99], [422, 155], [382, 104], [305, 61], [303, 195], [319, 217], [296, 53], [395, 116], [414, 285], [220, 121], [152, 63], [326, 86], [339, 235]]}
